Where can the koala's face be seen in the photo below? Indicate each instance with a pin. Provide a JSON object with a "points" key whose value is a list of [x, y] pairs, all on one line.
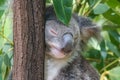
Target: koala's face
{"points": [[60, 39]]}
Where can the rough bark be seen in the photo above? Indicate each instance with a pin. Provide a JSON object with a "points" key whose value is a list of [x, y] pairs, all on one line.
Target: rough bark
{"points": [[28, 39]]}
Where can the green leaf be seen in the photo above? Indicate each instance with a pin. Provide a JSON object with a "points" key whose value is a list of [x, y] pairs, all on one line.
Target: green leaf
{"points": [[92, 2], [48, 1], [7, 60], [113, 48], [1, 13], [110, 27], [115, 34], [103, 50], [1, 51], [93, 53], [114, 37], [0, 76], [2, 9], [113, 3], [63, 10], [101, 8], [4, 67], [112, 16], [2, 2], [114, 74], [1, 61]]}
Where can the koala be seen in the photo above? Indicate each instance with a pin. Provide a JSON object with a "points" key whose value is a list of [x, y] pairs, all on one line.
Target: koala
{"points": [[64, 45]]}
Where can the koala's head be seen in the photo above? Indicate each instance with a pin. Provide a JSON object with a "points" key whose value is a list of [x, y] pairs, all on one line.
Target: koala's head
{"points": [[61, 40]]}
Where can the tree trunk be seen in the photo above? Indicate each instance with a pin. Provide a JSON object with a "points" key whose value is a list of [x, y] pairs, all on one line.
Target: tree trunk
{"points": [[28, 39]]}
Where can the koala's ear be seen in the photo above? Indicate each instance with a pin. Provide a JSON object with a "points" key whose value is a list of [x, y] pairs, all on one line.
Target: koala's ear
{"points": [[88, 32], [87, 28]]}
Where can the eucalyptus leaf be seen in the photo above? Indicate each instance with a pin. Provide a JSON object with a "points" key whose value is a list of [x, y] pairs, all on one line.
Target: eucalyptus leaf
{"points": [[93, 53], [103, 50], [113, 48], [113, 41], [48, 1], [115, 35], [114, 74], [113, 3], [110, 27], [112, 16], [1, 13], [2, 2], [101, 8], [1, 61], [92, 2], [7, 60], [63, 10], [1, 51]]}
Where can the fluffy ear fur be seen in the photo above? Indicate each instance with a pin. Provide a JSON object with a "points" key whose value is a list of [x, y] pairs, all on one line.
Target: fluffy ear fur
{"points": [[87, 28], [88, 32]]}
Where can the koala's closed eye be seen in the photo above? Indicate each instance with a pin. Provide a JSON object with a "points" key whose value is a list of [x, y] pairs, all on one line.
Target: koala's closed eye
{"points": [[53, 32]]}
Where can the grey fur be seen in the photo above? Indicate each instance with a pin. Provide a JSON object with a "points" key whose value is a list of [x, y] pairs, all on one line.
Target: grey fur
{"points": [[76, 68]]}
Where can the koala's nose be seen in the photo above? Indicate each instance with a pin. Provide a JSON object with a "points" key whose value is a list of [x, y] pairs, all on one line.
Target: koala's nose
{"points": [[67, 43]]}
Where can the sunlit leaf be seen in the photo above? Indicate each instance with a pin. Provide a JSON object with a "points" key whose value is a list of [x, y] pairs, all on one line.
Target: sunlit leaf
{"points": [[101, 8], [63, 9], [114, 74], [113, 3]]}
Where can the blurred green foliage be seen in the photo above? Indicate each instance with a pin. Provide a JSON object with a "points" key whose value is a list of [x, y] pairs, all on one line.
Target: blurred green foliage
{"points": [[103, 55], [6, 36]]}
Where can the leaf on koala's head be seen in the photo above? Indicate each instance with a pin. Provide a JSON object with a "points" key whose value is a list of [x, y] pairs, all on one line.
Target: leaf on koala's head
{"points": [[63, 10]]}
